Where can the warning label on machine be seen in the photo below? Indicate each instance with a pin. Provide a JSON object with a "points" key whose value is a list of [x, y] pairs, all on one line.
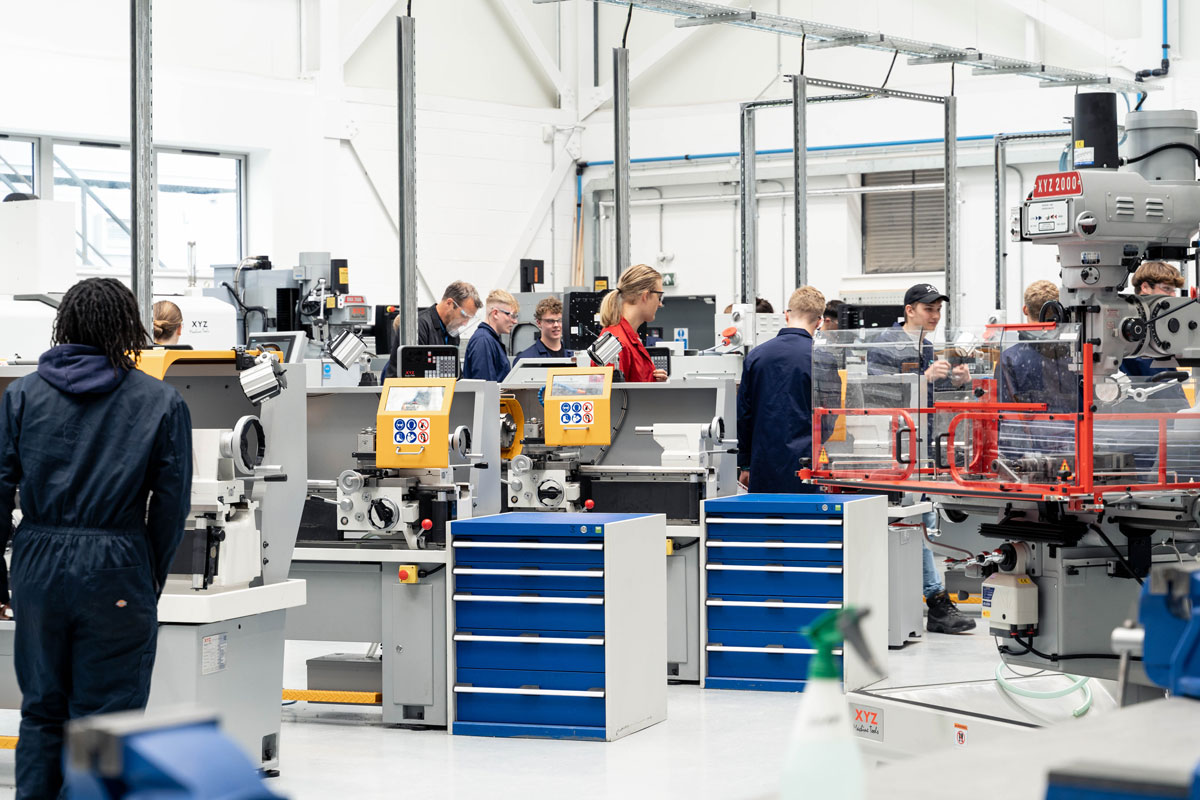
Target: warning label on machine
{"points": [[213, 653], [411, 430]]}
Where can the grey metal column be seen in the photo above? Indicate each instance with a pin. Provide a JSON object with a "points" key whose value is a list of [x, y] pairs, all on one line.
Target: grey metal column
{"points": [[406, 107], [749, 206], [800, 174], [141, 139], [622, 253], [1001, 191], [951, 194]]}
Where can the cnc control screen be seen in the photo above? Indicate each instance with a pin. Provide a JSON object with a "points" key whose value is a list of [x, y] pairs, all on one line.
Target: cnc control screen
{"points": [[577, 386], [415, 398]]}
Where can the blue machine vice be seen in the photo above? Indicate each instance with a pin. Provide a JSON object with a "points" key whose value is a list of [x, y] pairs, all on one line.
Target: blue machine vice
{"points": [[164, 756]]}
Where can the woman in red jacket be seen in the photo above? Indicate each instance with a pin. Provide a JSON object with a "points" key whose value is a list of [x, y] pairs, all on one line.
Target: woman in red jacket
{"points": [[635, 301]]}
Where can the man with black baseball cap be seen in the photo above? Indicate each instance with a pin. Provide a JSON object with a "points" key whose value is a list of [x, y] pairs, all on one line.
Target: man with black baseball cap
{"points": [[913, 352]]}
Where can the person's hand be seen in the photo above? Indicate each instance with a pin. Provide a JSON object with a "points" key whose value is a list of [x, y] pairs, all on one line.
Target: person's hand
{"points": [[960, 375], [660, 375], [6, 611], [938, 370], [744, 478]]}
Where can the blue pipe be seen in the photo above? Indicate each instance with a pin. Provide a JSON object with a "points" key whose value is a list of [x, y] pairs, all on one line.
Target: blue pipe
{"points": [[1165, 40]]}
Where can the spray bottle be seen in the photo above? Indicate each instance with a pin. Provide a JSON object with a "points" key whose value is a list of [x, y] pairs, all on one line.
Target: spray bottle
{"points": [[823, 759]]}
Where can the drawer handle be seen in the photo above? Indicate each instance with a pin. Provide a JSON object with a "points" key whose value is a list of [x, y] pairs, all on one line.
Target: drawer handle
{"points": [[566, 601], [526, 545], [777, 545], [529, 692], [798, 651], [771, 568], [529, 639], [532, 573], [836, 523], [769, 604]]}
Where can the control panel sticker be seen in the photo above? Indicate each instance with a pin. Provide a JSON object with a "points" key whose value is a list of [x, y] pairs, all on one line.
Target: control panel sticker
{"points": [[213, 653]]}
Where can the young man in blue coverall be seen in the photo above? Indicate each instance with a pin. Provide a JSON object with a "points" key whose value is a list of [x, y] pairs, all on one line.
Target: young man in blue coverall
{"points": [[548, 316], [775, 403], [912, 351], [88, 439], [486, 358]]}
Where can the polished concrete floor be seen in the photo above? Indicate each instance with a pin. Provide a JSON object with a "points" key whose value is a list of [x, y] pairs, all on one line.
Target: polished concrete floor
{"points": [[725, 744]]}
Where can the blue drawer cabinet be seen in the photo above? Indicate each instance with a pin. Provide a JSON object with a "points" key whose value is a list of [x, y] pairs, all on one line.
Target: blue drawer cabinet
{"points": [[557, 625], [772, 564]]}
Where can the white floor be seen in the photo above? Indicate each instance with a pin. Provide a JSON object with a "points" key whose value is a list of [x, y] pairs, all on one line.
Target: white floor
{"points": [[715, 743]]}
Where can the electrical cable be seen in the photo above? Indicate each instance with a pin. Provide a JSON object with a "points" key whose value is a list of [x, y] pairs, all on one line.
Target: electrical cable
{"points": [[1168, 146], [409, 8], [247, 310], [803, 50], [895, 55], [628, 18], [1069, 656], [925, 533], [616, 428], [952, 79], [1080, 684], [1116, 552], [1141, 99]]}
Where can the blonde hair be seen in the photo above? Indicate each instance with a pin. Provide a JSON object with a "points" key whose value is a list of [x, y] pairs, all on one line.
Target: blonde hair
{"points": [[807, 303], [168, 319], [632, 283], [500, 297], [1037, 294]]}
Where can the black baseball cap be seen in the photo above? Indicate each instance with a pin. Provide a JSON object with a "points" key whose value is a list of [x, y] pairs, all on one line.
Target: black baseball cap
{"points": [[923, 293]]}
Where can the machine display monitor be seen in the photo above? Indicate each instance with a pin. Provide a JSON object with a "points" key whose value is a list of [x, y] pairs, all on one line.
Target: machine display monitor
{"points": [[415, 398], [287, 344], [577, 386]]}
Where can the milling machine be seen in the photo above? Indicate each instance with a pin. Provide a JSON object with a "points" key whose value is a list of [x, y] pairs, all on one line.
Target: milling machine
{"points": [[1075, 461]]}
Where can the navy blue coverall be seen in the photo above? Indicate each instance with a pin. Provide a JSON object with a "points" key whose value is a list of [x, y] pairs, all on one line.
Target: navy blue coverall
{"points": [[87, 444], [539, 350], [1038, 371], [485, 359], [775, 408]]}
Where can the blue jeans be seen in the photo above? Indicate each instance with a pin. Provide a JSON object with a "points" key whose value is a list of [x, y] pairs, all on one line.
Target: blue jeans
{"points": [[931, 581]]}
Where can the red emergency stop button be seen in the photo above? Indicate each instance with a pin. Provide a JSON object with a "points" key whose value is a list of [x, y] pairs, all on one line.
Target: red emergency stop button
{"points": [[589, 504], [407, 573], [426, 524]]}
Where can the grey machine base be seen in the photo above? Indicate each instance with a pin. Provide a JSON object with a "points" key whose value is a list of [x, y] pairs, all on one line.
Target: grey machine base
{"points": [[344, 672], [905, 613], [683, 610], [234, 668], [365, 602]]}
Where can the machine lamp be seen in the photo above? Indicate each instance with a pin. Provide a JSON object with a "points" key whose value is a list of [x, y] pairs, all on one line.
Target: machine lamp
{"points": [[346, 349], [264, 380]]}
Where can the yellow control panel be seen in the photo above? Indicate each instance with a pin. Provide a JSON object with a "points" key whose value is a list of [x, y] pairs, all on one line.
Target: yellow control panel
{"points": [[577, 406], [412, 425]]}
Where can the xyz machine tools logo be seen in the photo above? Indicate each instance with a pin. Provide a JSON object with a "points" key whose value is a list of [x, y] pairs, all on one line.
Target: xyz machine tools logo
{"points": [[868, 721]]}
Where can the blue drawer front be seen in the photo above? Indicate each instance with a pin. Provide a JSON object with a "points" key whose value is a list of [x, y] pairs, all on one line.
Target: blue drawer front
{"points": [[542, 679], [530, 709], [773, 584], [475, 615], [811, 531], [774, 555], [527, 583], [476, 654], [515, 554], [776, 666], [742, 618]]}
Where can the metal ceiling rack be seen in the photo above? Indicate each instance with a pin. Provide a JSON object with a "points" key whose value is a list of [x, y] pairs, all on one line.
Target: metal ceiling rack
{"points": [[821, 36]]}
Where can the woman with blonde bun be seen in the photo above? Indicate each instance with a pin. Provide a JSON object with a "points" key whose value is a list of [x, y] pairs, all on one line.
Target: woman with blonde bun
{"points": [[634, 302], [168, 323]]}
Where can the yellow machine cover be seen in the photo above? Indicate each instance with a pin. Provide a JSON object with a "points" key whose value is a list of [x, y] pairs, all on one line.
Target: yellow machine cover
{"points": [[412, 425], [577, 403]]}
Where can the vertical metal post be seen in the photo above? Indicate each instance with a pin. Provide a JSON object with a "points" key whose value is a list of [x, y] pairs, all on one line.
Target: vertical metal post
{"points": [[622, 253], [1001, 189], [142, 183], [406, 107], [951, 196], [800, 175], [749, 206]]}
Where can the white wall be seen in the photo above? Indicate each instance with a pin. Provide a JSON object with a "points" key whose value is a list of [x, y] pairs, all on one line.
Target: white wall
{"points": [[306, 87]]}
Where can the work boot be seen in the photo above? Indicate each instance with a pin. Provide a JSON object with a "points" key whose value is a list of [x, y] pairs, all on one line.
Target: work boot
{"points": [[944, 616]]}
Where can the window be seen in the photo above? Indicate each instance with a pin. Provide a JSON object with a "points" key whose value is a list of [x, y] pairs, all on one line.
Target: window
{"points": [[199, 200], [16, 165], [904, 231]]}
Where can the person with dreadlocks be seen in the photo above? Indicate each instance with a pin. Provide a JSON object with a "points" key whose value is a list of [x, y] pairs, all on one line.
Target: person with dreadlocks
{"points": [[89, 440]]}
